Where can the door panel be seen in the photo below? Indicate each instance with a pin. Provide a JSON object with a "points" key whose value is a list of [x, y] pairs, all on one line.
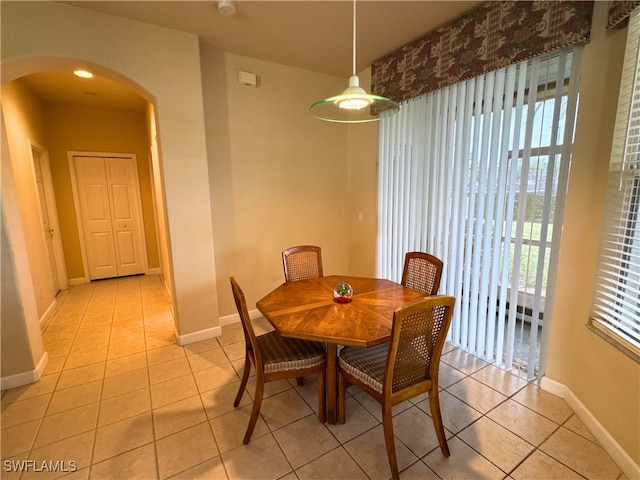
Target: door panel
{"points": [[127, 249], [111, 219], [102, 247], [127, 225], [96, 217], [121, 210]]}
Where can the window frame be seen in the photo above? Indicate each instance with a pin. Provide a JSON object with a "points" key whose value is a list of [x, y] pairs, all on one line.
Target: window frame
{"points": [[612, 288]]}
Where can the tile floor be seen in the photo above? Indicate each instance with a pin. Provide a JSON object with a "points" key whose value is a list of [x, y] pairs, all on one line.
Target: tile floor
{"points": [[121, 400]]}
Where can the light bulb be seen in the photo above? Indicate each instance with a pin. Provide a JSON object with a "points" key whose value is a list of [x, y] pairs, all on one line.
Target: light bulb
{"points": [[353, 102], [83, 74], [354, 97]]}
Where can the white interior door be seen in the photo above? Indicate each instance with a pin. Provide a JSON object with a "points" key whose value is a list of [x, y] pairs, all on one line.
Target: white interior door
{"points": [[109, 199], [46, 212], [123, 188]]}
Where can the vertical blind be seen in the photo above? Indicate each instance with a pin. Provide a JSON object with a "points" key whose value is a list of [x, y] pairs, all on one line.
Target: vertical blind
{"points": [[476, 174], [616, 305]]}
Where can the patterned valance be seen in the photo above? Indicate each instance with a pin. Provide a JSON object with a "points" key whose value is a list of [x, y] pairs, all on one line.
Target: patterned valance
{"points": [[619, 11], [493, 36]]}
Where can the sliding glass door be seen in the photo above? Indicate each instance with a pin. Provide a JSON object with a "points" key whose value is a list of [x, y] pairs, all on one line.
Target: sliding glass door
{"points": [[476, 174]]}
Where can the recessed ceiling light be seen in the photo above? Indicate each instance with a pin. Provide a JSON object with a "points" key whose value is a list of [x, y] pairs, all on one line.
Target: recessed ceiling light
{"points": [[83, 74]]}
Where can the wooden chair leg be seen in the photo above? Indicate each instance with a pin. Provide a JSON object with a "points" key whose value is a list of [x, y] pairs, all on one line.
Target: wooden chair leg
{"points": [[243, 382], [387, 425], [300, 381], [255, 411], [434, 405], [322, 397]]}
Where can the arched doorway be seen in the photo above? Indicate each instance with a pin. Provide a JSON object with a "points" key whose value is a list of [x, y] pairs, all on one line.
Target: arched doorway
{"points": [[164, 66], [27, 115]]}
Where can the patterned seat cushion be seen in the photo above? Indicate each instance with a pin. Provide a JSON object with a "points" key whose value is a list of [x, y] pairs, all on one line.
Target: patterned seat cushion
{"points": [[366, 364], [283, 354]]}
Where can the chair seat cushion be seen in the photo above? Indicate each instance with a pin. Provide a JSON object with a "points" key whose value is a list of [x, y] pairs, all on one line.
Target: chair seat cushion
{"points": [[366, 364], [281, 354]]}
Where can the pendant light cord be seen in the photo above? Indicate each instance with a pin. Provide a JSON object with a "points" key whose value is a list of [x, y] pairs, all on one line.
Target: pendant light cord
{"points": [[354, 37]]}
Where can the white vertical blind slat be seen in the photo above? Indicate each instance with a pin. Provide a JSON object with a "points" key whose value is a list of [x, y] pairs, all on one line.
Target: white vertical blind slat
{"points": [[500, 147], [456, 238], [511, 188]]}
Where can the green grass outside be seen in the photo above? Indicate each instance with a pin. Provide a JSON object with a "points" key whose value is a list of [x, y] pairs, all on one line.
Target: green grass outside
{"points": [[529, 254]]}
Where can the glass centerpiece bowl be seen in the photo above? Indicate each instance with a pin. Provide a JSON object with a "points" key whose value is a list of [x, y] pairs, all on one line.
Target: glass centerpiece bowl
{"points": [[342, 293]]}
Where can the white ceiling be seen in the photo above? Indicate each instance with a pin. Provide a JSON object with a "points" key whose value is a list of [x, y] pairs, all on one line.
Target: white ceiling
{"points": [[313, 35]]}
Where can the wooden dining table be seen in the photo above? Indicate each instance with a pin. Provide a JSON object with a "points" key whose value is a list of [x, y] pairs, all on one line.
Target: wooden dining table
{"points": [[306, 309]]}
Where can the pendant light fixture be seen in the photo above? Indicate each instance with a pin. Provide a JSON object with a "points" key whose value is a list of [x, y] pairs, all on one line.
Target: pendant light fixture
{"points": [[354, 105]]}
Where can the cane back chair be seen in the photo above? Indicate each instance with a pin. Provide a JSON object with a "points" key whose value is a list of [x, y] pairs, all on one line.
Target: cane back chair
{"points": [[274, 358], [422, 272], [404, 368], [301, 262]]}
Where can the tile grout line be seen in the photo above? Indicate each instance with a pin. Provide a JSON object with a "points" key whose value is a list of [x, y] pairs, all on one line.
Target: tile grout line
{"points": [[148, 369], [535, 448], [55, 388]]}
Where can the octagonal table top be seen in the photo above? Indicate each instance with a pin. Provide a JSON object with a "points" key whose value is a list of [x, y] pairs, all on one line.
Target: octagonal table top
{"points": [[305, 309]]}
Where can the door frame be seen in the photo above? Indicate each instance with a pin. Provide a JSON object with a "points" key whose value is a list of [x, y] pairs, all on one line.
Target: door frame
{"points": [[76, 205], [52, 210]]}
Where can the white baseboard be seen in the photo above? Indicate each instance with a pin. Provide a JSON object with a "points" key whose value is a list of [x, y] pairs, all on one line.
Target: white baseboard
{"points": [[77, 281], [551, 386], [198, 336], [235, 318], [25, 378], [154, 271], [48, 315], [630, 468]]}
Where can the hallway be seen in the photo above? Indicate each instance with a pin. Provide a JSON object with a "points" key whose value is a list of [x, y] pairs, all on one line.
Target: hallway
{"points": [[119, 399]]}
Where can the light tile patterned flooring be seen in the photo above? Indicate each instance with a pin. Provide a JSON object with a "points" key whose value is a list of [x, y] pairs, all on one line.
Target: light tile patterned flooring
{"points": [[120, 399]]}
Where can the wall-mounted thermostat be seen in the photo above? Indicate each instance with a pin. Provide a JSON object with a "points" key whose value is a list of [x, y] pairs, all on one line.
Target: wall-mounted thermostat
{"points": [[246, 78]]}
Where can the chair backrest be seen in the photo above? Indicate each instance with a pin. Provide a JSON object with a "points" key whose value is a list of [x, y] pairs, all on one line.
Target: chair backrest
{"points": [[417, 339], [247, 326], [422, 272], [301, 262]]}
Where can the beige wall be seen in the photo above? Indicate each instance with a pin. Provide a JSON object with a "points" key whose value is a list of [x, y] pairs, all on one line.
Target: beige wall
{"points": [[603, 379], [160, 203], [85, 129], [22, 355], [363, 193], [24, 122], [279, 177]]}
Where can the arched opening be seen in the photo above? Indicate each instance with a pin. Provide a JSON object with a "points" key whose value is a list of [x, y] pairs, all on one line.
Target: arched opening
{"points": [[39, 130]]}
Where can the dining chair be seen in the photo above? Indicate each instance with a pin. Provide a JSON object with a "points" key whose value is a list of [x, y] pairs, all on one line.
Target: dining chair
{"points": [[422, 272], [301, 262], [275, 357], [404, 368]]}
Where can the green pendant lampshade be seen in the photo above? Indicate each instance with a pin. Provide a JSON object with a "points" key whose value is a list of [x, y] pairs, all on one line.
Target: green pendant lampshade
{"points": [[354, 105]]}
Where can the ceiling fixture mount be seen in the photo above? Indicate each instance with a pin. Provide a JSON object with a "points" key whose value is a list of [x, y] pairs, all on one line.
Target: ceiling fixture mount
{"points": [[354, 105], [227, 8]]}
